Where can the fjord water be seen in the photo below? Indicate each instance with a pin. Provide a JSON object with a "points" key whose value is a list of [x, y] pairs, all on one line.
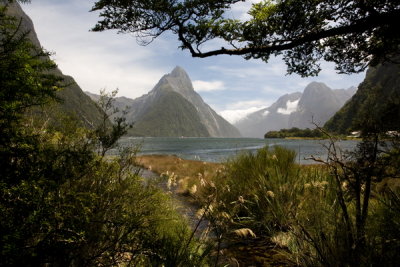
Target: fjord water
{"points": [[221, 149]]}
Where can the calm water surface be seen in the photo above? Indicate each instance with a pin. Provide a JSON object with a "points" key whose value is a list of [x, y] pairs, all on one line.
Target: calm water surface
{"points": [[220, 149]]}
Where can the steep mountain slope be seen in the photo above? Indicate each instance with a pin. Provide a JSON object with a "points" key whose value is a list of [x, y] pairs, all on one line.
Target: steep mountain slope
{"points": [[73, 100], [179, 82], [272, 118], [173, 108], [316, 104], [170, 115], [375, 105], [121, 103]]}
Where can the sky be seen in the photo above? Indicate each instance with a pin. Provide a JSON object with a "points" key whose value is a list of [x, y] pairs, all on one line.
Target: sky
{"points": [[231, 85]]}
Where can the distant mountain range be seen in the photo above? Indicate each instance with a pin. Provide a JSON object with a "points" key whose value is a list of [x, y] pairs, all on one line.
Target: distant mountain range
{"points": [[73, 100], [173, 108], [317, 104]]}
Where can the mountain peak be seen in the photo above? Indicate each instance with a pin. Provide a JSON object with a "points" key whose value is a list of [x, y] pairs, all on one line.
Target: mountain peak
{"points": [[315, 89], [179, 81], [316, 86], [178, 72], [177, 87]]}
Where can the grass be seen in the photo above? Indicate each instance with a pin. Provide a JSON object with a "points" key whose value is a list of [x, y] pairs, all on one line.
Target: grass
{"points": [[245, 175], [188, 173], [291, 210]]}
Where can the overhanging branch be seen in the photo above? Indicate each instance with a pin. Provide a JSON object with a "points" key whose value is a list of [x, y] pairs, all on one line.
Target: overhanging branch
{"points": [[362, 25]]}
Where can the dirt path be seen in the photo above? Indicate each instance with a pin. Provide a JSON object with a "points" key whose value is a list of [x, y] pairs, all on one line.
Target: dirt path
{"points": [[183, 206]]}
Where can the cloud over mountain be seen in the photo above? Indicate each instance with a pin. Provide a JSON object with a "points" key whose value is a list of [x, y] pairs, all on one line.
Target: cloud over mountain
{"points": [[316, 104]]}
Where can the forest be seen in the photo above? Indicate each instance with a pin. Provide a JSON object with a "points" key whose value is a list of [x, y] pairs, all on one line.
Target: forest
{"points": [[296, 132]]}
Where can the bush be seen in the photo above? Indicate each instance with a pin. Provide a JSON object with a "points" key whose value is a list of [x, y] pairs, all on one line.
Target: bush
{"points": [[257, 190], [323, 215], [62, 201], [76, 208]]}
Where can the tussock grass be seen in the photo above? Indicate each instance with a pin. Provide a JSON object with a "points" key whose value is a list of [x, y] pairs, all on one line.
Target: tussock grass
{"points": [[189, 174], [277, 207]]}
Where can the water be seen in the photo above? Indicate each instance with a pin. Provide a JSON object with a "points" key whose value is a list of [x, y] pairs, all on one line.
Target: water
{"points": [[220, 149]]}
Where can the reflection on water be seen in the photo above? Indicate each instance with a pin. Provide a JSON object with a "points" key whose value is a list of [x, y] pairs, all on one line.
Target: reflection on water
{"points": [[220, 149]]}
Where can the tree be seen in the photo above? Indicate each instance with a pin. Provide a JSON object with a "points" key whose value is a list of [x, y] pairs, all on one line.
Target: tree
{"points": [[63, 204], [25, 82], [350, 33]]}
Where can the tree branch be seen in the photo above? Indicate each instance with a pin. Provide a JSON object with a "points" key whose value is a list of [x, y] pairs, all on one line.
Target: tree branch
{"points": [[362, 25]]}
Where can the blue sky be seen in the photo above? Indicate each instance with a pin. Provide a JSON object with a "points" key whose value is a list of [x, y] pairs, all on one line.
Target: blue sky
{"points": [[107, 60]]}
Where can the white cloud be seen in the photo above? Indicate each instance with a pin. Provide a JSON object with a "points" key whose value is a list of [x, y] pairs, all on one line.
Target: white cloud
{"points": [[265, 113], [272, 90], [240, 9], [95, 60], [242, 72], [234, 116], [240, 109], [290, 107], [253, 69], [208, 86], [247, 104]]}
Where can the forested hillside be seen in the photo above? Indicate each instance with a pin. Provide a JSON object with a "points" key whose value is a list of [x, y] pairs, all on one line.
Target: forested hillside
{"points": [[74, 101], [376, 105]]}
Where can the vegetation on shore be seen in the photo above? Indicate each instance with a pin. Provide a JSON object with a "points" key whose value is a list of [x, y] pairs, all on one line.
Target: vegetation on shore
{"points": [[337, 213], [307, 134], [296, 133], [62, 202]]}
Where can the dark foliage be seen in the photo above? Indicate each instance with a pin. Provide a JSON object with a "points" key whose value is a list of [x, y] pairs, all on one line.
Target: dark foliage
{"points": [[376, 105], [348, 33], [62, 201], [295, 132]]}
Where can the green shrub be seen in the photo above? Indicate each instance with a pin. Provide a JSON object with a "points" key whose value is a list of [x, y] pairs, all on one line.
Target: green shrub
{"points": [[62, 202], [311, 211], [258, 190]]}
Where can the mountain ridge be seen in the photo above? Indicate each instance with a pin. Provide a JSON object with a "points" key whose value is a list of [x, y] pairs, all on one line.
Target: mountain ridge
{"points": [[316, 104], [73, 100], [176, 87]]}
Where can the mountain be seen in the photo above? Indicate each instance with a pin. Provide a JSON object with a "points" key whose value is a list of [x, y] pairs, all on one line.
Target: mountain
{"points": [[73, 100], [170, 115], [376, 105], [121, 103], [316, 104], [173, 108], [272, 118]]}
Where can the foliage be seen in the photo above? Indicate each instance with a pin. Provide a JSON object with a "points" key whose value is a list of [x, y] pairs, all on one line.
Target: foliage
{"points": [[376, 105], [108, 135], [295, 132], [348, 33], [344, 227], [22, 66], [76, 208], [324, 215], [260, 191], [254, 183], [187, 174], [63, 202]]}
